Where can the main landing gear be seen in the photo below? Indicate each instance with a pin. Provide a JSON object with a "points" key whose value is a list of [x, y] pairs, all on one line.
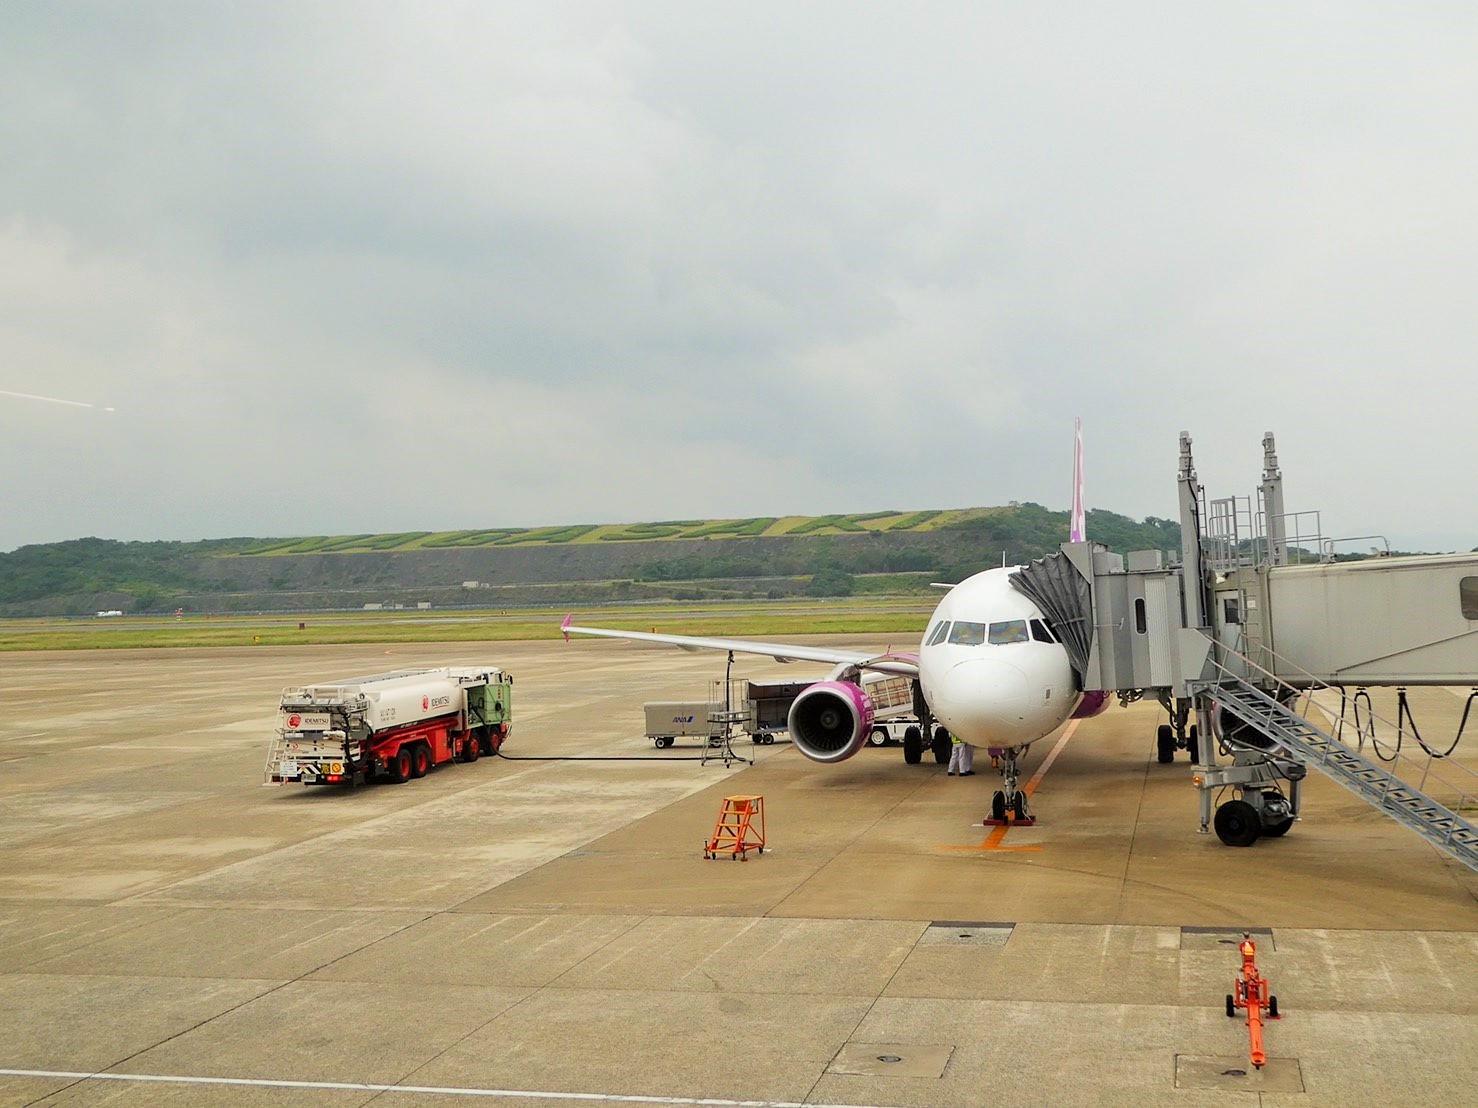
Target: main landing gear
{"points": [[1008, 806]]}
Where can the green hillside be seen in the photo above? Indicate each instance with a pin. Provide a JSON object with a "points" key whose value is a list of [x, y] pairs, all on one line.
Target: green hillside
{"points": [[896, 551]]}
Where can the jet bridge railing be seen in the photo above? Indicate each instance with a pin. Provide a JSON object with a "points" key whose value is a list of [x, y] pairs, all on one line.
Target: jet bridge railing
{"points": [[1455, 779]]}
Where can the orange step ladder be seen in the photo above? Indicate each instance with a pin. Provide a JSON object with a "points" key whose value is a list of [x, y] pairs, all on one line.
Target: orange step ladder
{"points": [[734, 833]]}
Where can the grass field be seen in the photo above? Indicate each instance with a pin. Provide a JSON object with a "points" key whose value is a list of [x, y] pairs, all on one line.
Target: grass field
{"points": [[676, 529], [885, 616]]}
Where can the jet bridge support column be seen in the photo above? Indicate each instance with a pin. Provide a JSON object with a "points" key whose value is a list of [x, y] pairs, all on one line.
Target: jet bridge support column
{"points": [[1271, 494], [1195, 605]]}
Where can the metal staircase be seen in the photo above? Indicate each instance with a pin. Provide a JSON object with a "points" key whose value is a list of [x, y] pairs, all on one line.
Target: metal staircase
{"points": [[1383, 790]]}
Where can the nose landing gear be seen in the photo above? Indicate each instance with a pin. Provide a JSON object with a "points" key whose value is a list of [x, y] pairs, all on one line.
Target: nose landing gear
{"points": [[1008, 806]]}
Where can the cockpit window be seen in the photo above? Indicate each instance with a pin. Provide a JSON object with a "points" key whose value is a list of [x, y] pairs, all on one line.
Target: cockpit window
{"points": [[1040, 631], [1009, 631], [967, 634], [937, 635]]}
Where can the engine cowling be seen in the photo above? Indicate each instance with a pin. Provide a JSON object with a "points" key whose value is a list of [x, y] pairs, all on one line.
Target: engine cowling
{"points": [[1091, 705], [830, 720]]}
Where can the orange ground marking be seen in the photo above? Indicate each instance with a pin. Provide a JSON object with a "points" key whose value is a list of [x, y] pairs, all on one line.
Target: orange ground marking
{"points": [[993, 841]]}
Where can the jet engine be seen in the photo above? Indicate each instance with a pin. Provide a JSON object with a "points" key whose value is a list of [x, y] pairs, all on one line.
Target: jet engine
{"points": [[830, 720]]}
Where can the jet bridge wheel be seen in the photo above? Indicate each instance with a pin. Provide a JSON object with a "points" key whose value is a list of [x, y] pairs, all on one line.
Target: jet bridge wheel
{"points": [[1279, 829], [913, 746], [1238, 823], [1165, 744], [940, 746]]}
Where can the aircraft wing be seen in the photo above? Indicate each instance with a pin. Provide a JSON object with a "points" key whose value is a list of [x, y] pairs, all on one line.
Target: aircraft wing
{"points": [[905, 664]]}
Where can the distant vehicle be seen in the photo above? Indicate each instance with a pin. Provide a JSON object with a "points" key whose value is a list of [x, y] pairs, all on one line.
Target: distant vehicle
{"points": [[398, 725], [767, 707], [895, 732], [109, 613]]}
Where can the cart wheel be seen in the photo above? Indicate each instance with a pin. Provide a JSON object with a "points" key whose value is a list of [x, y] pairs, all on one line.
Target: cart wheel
{"points": [[1231, 1007]]}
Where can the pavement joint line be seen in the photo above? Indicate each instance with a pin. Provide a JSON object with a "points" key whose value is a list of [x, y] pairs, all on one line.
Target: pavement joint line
{"points": [[430, 1090], [837, 853], [1144, 782]]}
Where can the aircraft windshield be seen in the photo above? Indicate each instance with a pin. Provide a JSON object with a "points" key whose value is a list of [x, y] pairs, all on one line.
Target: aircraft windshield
{"points": [[1012, 630], [967, 634], [937, 636]]}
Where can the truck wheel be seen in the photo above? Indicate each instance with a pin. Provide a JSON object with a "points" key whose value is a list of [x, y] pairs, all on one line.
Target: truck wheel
{"points": [[400, 766], [913, 746], [420, 760], [470, 749], [879, 737]]}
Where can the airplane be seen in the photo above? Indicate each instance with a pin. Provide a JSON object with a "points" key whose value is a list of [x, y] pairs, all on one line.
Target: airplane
{"points": [[989, 668]]}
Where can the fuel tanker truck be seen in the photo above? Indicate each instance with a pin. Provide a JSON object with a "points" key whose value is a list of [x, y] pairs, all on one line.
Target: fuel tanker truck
{"points": [[394, 725]]}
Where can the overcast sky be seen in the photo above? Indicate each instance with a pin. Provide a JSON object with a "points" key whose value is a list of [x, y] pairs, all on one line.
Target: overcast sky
{"points": [[372, 267]]}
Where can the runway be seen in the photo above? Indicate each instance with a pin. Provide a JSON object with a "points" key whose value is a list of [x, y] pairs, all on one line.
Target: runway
{"points": [[542, 932]]}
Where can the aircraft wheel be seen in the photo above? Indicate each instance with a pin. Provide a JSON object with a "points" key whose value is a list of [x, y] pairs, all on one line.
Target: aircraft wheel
{"points": [[1279, 829], [400, 766], [1018, 806], [1165, 744], [940, 746], [420, 760], [879, 737], [998, 805], [1237, 823], [913, 746]]}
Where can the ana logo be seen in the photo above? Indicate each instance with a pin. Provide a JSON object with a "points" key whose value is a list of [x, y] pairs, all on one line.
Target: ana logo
{"points": [[294, 720], [425, 703]]}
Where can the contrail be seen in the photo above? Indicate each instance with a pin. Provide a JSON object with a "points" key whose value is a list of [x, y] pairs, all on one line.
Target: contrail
{"points": [[54, 400]]}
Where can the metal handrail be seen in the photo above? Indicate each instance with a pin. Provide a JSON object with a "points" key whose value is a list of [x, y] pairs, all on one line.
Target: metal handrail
{"points": [[1461, 789]]}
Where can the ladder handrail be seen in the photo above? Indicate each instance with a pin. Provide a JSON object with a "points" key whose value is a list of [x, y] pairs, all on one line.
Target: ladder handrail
{"points": [[1425, 767], [1382, 788]]}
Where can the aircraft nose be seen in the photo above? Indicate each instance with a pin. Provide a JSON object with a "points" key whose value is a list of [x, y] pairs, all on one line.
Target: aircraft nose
{"points": [[984, 700]]}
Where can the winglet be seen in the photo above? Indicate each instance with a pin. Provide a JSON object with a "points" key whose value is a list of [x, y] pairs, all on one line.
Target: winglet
{"points": [[564, 626], [1077, 526]]}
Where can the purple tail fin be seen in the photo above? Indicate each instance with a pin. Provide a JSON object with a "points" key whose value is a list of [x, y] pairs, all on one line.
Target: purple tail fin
{"points": [[1077, 528]]}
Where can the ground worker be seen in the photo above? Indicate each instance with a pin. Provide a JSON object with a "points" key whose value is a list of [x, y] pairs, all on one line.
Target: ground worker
{"points": [[961, 757]]}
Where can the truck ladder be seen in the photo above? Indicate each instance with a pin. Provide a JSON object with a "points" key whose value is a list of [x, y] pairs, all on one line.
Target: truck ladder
{"points": [[1382, 790]]}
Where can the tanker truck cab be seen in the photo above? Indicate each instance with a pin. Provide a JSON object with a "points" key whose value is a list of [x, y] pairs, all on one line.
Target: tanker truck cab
{"points": [[398, 725]]}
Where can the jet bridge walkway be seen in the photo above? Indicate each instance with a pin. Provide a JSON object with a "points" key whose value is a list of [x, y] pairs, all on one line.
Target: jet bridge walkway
{"points": [[1386, 791]]}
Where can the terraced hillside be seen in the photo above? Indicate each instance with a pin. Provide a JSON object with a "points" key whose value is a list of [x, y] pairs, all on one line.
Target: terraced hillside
{"points": [[885, 552]]}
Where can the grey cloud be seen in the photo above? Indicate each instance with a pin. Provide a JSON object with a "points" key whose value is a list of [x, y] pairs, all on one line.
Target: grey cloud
{"points": [[830, 259]]}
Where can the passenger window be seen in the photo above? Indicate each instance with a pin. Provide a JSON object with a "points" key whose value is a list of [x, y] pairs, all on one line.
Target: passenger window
{"points": [[940, 630], [1140, 622], [1468, 592], [1041, 632], [1009, 631], [967, 634]]}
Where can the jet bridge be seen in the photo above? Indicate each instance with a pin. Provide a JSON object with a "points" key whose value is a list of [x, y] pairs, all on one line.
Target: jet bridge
{"points": [[1254, 635]]}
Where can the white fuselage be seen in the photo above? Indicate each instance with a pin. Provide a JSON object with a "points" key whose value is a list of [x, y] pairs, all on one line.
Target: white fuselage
{"points": [[989, 668]]}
